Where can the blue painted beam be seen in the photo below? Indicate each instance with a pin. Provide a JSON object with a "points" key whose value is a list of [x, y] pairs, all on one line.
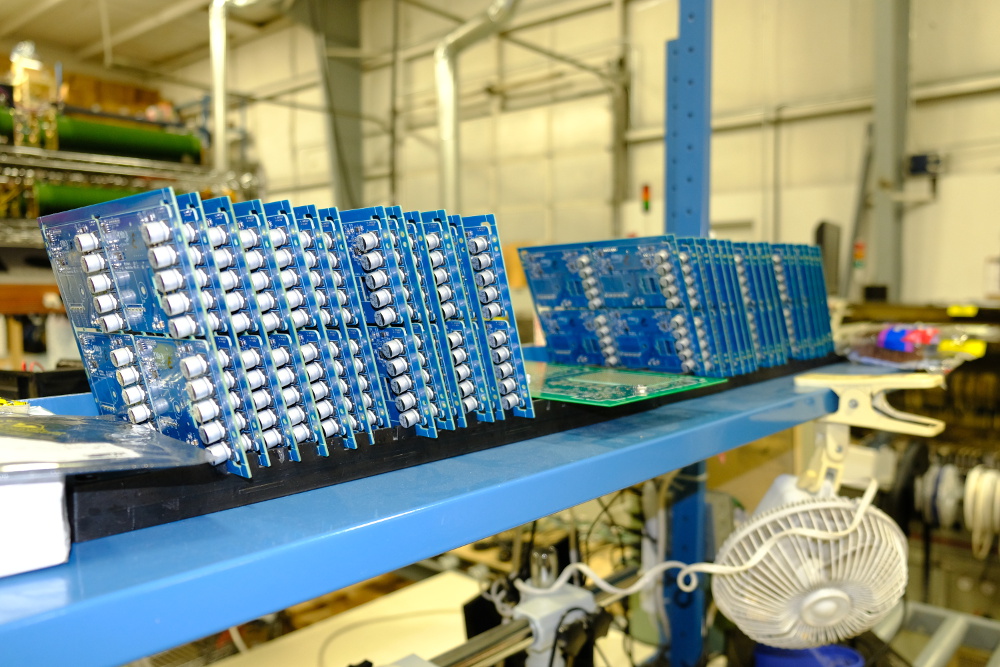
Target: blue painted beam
{"points": [[689, 121], [686, 611], [688, 138], [126, 596]]}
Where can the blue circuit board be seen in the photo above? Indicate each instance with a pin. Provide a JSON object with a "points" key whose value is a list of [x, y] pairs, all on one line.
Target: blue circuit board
{"points": [[439, 395], [267, 332], [128, 267], [463, 357], [485, 276], [262, 377], [377, 267], [557, 273], [325, 375], [214, 264], [354, 330], [431, 294], [330, 288], [707, 307]]}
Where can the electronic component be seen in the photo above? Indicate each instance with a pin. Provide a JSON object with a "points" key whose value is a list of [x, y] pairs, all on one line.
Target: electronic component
{"points": [[279, 332], [606, 387], [702, 306], [324, 372], [373, 412], [440, 397], [451, 311], [136, 305], [492, 313], [387, 317]]}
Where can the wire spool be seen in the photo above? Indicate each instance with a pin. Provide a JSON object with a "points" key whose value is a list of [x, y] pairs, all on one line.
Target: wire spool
{"points": [[938, 493], [949, 493], [981, 503], [968, 502], [996, 503]]}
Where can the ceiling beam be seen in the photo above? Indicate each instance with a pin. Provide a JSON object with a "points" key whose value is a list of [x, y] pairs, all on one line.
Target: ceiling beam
{"points": [[23, 18], [240, 24], [172, 13], [201, 53]]}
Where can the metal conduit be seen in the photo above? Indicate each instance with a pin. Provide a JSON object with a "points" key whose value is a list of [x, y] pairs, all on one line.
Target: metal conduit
{"points": [[217, 46], [446, 77]]}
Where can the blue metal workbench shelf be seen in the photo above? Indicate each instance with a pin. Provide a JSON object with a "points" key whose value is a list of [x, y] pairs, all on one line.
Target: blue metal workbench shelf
{"points": [[126, 596]]}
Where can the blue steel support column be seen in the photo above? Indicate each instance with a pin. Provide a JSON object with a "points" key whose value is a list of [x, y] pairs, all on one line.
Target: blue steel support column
{"points": [[689, 121], [686, 194], [686, 611]]}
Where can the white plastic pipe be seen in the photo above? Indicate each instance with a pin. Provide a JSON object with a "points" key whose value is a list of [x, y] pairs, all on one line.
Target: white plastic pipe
{"points": [[217, 48], [446, 76]]}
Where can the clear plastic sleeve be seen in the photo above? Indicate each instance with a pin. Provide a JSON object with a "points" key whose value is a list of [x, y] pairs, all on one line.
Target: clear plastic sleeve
{"points": [[33, 445]]}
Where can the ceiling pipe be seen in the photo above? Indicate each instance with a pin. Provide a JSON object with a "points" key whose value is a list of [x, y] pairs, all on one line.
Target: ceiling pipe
{"points": [[446, 55], [217, 45]]}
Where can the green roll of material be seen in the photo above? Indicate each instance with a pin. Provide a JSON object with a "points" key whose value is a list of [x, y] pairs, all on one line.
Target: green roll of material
{"points": [[6, 123], [55, 197], [87, 136]]}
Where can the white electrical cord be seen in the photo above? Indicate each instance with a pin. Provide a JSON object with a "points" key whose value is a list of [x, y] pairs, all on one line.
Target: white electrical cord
{"points": [[234, 634], [499, 600], [687, 579]]}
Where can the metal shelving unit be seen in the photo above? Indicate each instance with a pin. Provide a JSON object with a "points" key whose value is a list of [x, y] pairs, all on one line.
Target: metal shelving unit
{"points": [[20, 233], [126, 596], [41, 165]]}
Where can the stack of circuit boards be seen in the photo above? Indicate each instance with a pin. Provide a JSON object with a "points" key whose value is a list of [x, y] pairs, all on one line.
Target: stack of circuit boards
{"points": [[259, 330], [681, 305]]}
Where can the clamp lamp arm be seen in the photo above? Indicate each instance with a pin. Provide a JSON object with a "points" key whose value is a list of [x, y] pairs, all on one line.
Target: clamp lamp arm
{"points": [[862, 402]]}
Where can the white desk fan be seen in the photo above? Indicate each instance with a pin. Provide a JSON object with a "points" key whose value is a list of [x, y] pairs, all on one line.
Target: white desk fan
{"points": [[810, 567], [810, 571]]}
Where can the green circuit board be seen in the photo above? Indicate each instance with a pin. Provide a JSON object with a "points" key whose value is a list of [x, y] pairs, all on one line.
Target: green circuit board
{"points": [[605, 387]]}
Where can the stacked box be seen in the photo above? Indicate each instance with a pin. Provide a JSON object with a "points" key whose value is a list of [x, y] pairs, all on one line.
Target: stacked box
{"points": [[686, 305], [266, 332]]}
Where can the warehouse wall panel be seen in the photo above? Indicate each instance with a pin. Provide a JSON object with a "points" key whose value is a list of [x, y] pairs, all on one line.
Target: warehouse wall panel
{"points": [[544, 165]]}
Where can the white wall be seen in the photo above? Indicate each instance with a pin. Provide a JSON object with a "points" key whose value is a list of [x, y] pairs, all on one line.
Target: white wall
{"points": [[539, 154], [290, 143], [546, 170]]}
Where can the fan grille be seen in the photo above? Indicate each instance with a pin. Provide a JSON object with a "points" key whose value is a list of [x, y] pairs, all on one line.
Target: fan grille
{"points": [[808, 591]]}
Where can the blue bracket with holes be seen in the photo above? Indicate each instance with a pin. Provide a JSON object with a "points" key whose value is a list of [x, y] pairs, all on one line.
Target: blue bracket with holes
{"points": [[688, 149], [689, 121]]}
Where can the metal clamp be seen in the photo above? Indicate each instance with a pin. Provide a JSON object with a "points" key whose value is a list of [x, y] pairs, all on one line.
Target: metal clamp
{"points": [[545, 613], [862, 402]]}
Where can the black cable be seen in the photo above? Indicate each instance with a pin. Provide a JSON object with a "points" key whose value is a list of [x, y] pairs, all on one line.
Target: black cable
{"points": [[628, 641], [597, 648], [586, 538], [616, 529], [555, 640], [525, 564]]}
